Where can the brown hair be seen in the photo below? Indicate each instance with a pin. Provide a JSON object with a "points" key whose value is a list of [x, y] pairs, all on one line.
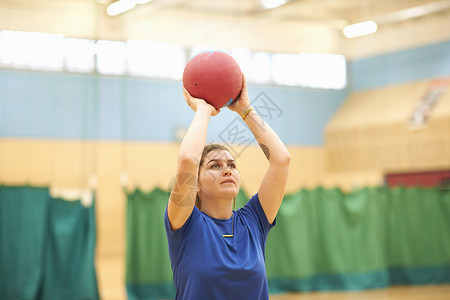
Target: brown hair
{"points": [[206, 150]]}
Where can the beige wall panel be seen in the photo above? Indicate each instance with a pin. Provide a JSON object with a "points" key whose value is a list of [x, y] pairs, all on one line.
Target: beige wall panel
{"points": [[63, 164], [71, 164], [307, 169], [154, 165], [40, 162], [111, 210], [149, 165], [350, 180], [110, 200], [442, 108], [14, 162], [111, 277], [378, 107], [69, 161], [371, 131]]}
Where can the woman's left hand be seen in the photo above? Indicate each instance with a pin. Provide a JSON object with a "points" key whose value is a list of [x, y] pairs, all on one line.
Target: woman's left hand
{"points": [[194, 103], [242, 102]]}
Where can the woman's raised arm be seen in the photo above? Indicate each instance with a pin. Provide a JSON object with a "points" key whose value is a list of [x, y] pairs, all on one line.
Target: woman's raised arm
{"points": [[272, 188], [184, 191]]}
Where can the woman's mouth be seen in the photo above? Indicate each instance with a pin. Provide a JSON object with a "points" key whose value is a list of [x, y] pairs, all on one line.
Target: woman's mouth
{"points": [[228, 181]]}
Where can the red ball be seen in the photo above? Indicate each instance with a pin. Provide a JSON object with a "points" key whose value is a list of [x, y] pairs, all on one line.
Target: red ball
{"points": [[213, 76]]}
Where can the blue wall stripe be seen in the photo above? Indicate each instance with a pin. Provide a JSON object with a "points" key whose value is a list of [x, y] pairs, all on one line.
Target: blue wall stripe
{"points": [[69, 106], [420, 63]]}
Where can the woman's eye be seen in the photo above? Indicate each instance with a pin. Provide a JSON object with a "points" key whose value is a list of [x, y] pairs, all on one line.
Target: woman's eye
{"points": [[215, 166], [232, 166]]}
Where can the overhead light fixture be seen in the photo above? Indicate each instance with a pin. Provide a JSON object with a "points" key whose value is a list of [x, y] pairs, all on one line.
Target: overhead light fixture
{"points": [[267, 4], [120, 6], [360, 29]]}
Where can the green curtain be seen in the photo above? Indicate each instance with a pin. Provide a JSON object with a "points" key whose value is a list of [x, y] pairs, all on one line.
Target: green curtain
{"points": [[370, 238], [47, 246], [324, 240], [148, 272]]}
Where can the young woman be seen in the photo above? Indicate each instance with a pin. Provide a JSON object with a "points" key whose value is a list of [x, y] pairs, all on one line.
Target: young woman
{"points": [[216, 252]]}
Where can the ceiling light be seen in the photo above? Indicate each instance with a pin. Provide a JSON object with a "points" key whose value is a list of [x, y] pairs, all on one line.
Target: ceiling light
{"points": [[360, 29], [272, 3], [120, 6]]}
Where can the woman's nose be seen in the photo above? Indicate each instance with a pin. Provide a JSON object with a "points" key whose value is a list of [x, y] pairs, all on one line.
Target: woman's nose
{"points": [[227, 172]]}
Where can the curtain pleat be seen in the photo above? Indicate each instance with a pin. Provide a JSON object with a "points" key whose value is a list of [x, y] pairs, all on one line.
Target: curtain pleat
{"points": [[47, 246]]}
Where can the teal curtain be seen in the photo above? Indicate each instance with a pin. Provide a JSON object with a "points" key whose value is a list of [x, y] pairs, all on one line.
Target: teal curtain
{"points": [[324, 240], [47, 246], [370, 238], [148, 272]]}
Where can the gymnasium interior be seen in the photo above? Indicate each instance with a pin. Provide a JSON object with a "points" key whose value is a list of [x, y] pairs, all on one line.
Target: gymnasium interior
{"points": [[92, 115]]}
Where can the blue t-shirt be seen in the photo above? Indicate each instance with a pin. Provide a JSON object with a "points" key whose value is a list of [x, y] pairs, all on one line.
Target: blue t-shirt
{"points": [[207, 265]]}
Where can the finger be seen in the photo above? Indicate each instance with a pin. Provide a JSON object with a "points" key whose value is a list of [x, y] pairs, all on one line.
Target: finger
{"points": [[186, 96], [185, 91], [244, 81], [237, 98], [185, 99]]}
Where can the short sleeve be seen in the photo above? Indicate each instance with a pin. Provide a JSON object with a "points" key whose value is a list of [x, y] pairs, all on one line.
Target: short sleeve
{"points": [[254, 210], [175, 237]]}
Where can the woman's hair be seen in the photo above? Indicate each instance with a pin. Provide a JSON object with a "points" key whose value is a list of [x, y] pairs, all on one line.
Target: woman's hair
{"points": [[206, 150], [209, 148]]}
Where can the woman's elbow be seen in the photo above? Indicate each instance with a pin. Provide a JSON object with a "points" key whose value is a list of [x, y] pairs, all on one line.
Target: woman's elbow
{"points": [[287, 158], [283, 159], [188, 160]]}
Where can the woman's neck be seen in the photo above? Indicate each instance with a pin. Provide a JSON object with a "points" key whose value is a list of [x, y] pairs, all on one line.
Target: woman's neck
{"points": [[222, 209]]}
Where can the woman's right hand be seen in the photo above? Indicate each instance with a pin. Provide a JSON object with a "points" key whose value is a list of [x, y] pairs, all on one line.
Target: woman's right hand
{"points": [[194, 103]]}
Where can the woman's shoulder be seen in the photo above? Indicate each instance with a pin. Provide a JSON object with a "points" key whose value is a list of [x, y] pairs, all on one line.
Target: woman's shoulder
{"points": [[194, 218]]}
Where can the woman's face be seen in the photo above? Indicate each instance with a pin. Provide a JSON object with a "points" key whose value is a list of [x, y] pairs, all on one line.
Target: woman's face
{"points": [[218, 176]]}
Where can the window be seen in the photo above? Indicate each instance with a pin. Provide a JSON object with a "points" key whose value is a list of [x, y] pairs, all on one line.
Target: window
{"points": [[260, 68], [32, 50], [327, 71], [111, 57], [155, 59], [79, 55], [313, 70], [287, 69], [54, 52], [243, 57]]}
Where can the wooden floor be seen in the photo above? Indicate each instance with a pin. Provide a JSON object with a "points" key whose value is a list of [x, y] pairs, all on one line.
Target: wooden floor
{"points": [[112, 274], [428, 292]]}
